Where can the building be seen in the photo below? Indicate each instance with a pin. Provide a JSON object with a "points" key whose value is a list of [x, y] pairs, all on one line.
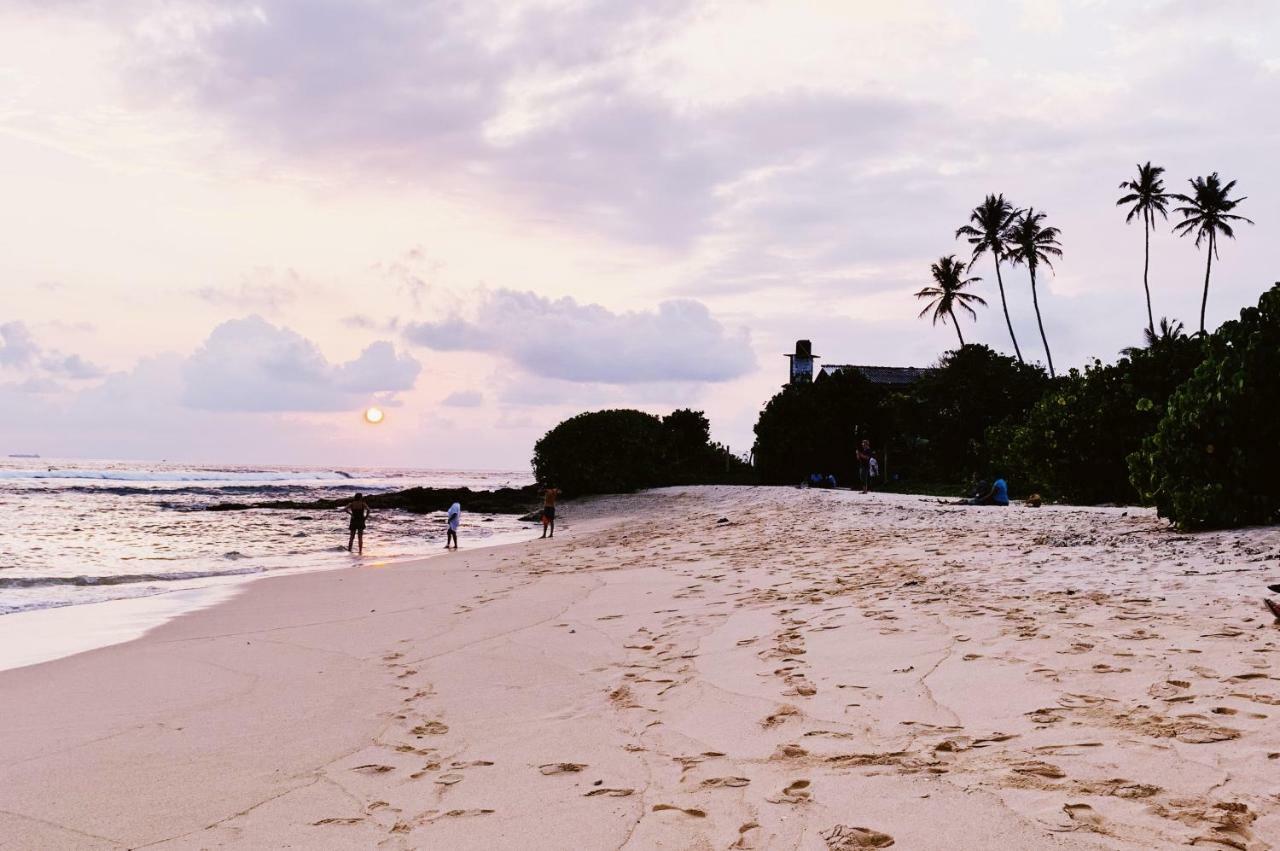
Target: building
{"points": [[802, 369]]}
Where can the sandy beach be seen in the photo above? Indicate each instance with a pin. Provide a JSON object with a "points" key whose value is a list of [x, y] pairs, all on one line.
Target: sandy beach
{"points": [[706, 668]]}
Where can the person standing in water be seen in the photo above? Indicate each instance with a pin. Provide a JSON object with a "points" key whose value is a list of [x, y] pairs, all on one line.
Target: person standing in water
{"points": [[453, 519], [549, 511], [359, 511]]}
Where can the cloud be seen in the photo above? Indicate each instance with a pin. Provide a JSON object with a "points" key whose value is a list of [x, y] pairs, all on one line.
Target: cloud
{"points": [[71, 366], [17, 347], [362, 322], [251, 365], [19, 350], [467, 95], [262, 289], [463, 399], [680, 341]]}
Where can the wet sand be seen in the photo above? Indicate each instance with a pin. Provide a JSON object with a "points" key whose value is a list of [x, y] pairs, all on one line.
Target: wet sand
{"points": [[699, 668]]}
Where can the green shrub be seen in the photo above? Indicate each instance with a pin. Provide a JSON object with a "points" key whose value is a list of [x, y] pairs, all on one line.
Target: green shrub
{"points": [[624, 450], [929, 432], [1214, 459], [1074, 442], [815, 428], [972, 390]]}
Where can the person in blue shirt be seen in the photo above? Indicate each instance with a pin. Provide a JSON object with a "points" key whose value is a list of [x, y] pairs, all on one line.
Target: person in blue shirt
{"points": [[997, 495]]}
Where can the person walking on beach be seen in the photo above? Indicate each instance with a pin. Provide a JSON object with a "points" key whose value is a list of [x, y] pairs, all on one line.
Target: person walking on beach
{"points": [[453, 519], [549, 511], [864, 465], [359, 511]]}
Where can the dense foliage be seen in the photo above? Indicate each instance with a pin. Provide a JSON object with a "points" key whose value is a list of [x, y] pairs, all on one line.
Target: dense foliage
{"points": [[1073, 443], [932, 430], [814, 428], [973, 390], [1214, 459], [624, 450]]}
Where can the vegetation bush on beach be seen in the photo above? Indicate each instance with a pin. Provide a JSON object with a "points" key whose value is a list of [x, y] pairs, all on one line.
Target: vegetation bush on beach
{"points": [[952, 409], [1073, 443], [618, 451], [933, 430], [813, 428], [1214, 459]]}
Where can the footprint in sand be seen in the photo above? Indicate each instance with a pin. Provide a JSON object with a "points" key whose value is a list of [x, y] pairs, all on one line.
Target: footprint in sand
{"points": [[1039, 769], [561, 768], [657, 808], [1083, 817], [432, 815], [746, 838], [373, 769], [717, 782], [336, 821], [612, 793], [843, 838], [779, 717], [430, 728], [449, 779], [797, 793]]}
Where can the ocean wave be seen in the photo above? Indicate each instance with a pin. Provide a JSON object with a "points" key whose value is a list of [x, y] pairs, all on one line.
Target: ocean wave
{"points": [[180, 475], [201, 490], [119, 579]]}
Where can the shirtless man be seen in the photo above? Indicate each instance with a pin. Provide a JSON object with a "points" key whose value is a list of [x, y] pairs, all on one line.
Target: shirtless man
{"points": [[549, 511]]}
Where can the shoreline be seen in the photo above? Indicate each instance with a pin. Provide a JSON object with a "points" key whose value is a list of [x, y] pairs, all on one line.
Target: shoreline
{"points": [[677, 671], [35, 636]]}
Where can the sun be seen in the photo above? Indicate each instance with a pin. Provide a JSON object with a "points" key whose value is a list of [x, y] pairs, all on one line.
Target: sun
{"points": [[373, 416]]}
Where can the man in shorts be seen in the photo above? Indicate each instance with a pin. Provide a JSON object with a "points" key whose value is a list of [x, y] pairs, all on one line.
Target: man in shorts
{"points": [[549, 511], [359, 511]]}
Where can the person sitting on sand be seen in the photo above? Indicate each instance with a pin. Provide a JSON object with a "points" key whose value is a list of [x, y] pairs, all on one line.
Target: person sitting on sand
{"points": [[549, 497], [453, 519], [359, 511], [864, 465], [997, 495]]}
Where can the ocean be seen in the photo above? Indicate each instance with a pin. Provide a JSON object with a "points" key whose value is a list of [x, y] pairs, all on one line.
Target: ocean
{"points": [[84, 532]]}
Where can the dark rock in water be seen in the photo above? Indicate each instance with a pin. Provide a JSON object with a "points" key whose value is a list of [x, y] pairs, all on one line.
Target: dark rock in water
{"points": [[415, 501]]}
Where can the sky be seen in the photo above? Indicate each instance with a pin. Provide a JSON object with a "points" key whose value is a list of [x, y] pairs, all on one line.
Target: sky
{"points": [[228, 227]]}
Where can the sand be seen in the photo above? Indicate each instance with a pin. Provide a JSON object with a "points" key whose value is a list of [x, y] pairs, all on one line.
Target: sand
{"points": [[699, 668]]}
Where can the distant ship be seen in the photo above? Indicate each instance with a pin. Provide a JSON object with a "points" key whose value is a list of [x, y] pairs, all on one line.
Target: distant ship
{"points": [[24, 455]]}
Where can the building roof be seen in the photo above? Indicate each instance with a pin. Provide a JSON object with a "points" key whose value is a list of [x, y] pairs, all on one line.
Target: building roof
{"points": [[895, 375]]}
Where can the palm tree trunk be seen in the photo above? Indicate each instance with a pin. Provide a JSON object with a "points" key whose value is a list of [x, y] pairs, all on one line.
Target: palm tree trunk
{"points": [[957, 324], [1146, 265], [1204, 302], [1036, 301], [1005, 305]]}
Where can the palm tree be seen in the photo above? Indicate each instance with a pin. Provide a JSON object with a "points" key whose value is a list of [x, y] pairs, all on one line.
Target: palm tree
{"points": [[989, 224], [1032, 243], [948, 275], [1170, 329], [1148, 197], [1208, 213]]}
